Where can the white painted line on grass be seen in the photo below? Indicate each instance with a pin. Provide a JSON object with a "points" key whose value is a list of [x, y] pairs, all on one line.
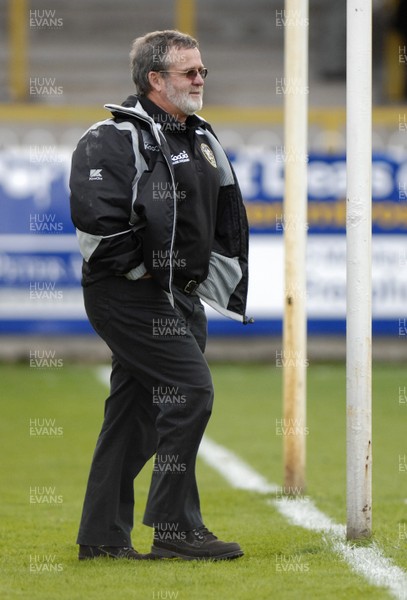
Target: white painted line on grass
{"points": [[366, 561], [303, 513], [235, 471]]}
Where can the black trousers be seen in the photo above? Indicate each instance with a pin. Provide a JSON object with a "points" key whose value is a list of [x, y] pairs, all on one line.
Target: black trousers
{"points": [[160, 402]]}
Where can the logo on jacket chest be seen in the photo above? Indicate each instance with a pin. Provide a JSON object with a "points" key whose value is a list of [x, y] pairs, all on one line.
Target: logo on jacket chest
{"points": [[95, 175], [182, 157], [151, 147]]}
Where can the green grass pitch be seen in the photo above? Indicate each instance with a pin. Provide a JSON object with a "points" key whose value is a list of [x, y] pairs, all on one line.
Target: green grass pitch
{"points": [[39, 555]]}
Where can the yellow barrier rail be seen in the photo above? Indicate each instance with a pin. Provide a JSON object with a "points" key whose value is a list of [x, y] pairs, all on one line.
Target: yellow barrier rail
{"points": [[327, 117]]}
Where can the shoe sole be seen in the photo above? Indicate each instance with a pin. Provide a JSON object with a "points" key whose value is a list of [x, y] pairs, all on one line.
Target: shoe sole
{"points": [[164, 553], [149, 556]]}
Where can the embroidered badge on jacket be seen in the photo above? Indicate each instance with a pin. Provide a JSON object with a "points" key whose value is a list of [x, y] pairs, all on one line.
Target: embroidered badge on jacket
{"points": [[209, 155]]}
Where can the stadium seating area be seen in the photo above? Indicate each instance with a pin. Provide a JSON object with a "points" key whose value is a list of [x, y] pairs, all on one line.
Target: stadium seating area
{"points": [[84, 50]]}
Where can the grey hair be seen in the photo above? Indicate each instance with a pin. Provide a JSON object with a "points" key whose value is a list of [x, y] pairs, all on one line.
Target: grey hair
{"points": [[152, 52]]}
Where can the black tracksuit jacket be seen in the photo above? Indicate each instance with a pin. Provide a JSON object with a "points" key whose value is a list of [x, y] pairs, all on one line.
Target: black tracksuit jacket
{"points": [[125, 199]]}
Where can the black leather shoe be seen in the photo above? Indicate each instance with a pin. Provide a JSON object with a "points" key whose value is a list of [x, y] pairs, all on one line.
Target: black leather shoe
{"points": [[89, 552], [198, 544]]}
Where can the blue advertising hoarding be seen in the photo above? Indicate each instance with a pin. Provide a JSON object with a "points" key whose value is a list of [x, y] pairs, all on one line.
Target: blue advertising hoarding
{"points": [[40, 265]]}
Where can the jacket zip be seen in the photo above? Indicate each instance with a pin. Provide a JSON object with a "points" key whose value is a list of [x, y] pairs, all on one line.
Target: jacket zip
{"points": [[170, 168]]}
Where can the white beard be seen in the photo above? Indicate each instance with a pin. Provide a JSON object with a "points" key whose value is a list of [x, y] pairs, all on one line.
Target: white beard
{"points": [[182, 100]]}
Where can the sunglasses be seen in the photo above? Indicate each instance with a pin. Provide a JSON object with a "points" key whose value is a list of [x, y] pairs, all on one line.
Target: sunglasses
{"points": [[191, 73]]}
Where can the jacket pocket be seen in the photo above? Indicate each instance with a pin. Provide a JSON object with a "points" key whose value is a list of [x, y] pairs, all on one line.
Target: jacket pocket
{"points": [[223, 276]]}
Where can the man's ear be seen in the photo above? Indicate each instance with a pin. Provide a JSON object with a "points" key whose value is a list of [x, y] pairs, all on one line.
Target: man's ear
{"points": [[155, 81]]}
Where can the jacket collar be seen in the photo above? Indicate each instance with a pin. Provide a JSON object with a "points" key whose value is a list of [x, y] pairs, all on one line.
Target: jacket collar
{"points": [[134, 109], [138, 112]]}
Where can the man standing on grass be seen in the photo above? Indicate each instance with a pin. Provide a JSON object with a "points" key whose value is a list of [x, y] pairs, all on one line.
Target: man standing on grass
{"points": [[161, 224]]}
